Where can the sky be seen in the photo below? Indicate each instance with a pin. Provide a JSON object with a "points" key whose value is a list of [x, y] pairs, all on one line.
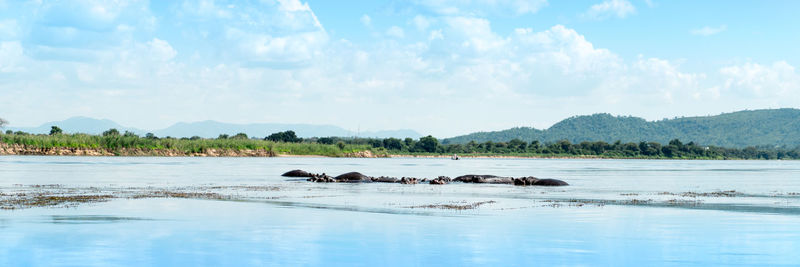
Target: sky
{"points": [[440, 67]]}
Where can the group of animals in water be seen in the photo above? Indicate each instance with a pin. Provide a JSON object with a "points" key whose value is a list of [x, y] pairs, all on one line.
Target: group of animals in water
{"points": [[357, 177]]}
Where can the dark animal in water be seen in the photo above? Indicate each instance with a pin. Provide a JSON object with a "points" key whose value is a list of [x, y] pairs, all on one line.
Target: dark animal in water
{"points": [[353, 177], [550, 182], [297, 173], [356, 177]]}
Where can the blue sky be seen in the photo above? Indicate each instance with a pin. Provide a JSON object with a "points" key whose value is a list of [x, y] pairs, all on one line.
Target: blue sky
{"points": [[441, 67]]}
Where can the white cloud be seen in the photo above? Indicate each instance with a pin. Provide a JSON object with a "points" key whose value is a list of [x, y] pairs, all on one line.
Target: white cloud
{"points": [[756, 80], [232, 58], [9, 29], [11, 54], [528, 6], [395, 32], [567, 50], [483, 7], [611, 8], [421, 22], [366, 20], [435, 34], [706, 31], [161, 50], [476, 33]]}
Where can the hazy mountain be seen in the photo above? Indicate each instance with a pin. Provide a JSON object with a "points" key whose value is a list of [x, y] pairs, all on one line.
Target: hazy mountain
{"points": [[78, 125], [737, 129], [211, 129]]}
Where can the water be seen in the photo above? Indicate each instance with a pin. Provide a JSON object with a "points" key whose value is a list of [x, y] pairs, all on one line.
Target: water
{"points": [[615, 212]]}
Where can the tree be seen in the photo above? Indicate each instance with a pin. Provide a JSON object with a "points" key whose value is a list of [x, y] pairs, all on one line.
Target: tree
{"points": [[427, 144], [130, 134], [326, 140], [111, 132], [287, 137], [392, 144], [517, 145], [54, 130], [3, 123], [409, 142], [240, 136], [223, 136], [150, 136]]}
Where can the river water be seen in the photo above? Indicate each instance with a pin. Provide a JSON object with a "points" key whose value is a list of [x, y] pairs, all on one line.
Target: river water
{"points": [[615, 212]]}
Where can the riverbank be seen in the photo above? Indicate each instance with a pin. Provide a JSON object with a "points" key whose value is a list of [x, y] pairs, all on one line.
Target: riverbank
{"points": [[124, 145], [18, 149]]}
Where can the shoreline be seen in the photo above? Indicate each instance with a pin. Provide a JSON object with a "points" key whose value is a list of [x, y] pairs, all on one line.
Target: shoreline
{"points": [[18, 149]]}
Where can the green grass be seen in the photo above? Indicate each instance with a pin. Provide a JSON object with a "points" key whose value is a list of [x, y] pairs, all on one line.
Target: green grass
{"points": [[119, 143], [122, 145]]}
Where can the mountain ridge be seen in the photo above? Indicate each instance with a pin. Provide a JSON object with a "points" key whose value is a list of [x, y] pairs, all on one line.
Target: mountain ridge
{"points": [[211, 129], [772, 127]]}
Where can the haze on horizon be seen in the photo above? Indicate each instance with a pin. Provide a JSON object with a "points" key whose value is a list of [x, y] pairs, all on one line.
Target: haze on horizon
{"points": [[438, 67]]}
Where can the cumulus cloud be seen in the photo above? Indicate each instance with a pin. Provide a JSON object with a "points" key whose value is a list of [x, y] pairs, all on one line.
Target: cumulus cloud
{"points": [[751, 79], [12, 55], [9, 29], [421, 22], [366, 20], [395, 32], [223, 60], [611, 8], [482, 7], [707, 31]]}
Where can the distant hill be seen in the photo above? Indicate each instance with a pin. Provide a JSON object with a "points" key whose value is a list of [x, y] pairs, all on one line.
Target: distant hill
{"points": [[737, 129], [78, 125], [211, 129]]}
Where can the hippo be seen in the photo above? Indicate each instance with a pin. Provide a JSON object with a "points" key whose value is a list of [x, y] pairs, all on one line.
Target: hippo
{"points": [[321, 178], [296, 173], [550, 182], [356, 177], [499, 180], [530, 180], [384, 179], [353, 177], [473, 178], [440, 180], [409, 180]]}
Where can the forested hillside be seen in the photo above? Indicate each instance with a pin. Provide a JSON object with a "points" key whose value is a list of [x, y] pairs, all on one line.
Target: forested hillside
{"points": [[770, 127]]}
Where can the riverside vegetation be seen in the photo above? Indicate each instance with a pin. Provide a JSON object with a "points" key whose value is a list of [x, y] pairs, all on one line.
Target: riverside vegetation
{"points": [[112, 142]]}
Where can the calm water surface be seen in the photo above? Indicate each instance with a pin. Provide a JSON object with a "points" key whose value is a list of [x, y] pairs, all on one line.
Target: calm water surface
{"points": [[615, 212]]}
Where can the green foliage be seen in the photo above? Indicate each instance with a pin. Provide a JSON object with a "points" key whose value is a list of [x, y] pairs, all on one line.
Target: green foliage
{"points": [[117, 143], [287, 136], [427, 144], [240, 136], [55, 130], [326, 140], [111, 132], [129, 134], [772, 127]]}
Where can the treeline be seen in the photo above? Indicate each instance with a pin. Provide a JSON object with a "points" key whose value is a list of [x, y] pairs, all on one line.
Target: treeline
{"points": [[113, 140], [287, 142], [675, 149]]}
